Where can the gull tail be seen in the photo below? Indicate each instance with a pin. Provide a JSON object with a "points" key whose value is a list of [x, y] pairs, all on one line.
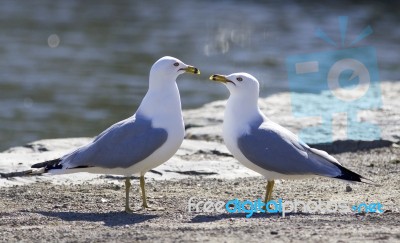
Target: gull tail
{"points": [[345, 174], [351, 176], [55, 164], [48, 165], [37, 169]]}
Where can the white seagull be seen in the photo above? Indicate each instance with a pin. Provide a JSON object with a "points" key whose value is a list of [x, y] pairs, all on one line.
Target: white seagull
{"points": [[265, 146], [139, 143]]}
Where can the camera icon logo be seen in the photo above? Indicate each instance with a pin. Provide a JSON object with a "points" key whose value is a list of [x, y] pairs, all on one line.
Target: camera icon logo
{"points": [[341, 82]]}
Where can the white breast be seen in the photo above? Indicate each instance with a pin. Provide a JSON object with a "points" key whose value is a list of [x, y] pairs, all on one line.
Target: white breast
{"points": [[164, 109]]}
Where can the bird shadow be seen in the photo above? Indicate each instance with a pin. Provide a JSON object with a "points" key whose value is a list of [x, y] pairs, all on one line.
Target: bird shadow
{"points": [[110, 219], [212, 218]]}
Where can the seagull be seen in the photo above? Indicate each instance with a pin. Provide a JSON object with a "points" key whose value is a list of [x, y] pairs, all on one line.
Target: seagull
{"points": [[266, 147], [139, 143]]}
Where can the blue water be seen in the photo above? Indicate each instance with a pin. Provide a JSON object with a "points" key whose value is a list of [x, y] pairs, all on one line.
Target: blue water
{"points": [[72, 68]]}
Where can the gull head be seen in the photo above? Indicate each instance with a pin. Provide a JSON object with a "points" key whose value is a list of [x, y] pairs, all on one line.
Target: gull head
{"points": [[169, 68], [242, 84]]}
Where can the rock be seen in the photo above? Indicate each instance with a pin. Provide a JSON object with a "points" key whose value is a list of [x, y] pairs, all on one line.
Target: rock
{"points": [[194, 158], [203, 153], [206, 122]]}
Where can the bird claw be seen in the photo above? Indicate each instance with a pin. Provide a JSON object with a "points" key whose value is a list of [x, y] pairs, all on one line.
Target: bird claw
{"points": [[148, 208], [128, 210]]}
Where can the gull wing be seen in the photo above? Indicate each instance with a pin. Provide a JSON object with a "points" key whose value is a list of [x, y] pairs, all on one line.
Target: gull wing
{"points": [[274, 148], [121, 145]]}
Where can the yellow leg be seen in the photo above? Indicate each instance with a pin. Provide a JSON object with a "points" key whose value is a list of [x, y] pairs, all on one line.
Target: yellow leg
{"points": [[268, 192], [142, 186], [144, 198], [127, 188]]}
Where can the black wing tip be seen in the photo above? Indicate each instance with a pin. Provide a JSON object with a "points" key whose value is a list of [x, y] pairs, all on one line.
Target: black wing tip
{"points": [[351, 176], [48, 165]]}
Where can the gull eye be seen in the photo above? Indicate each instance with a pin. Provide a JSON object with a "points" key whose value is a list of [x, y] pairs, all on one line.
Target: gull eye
{"points": [[239, 79], [176, 64]]}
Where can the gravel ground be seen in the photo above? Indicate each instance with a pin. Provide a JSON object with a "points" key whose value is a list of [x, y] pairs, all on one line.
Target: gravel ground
{"points": [[88, 212]]}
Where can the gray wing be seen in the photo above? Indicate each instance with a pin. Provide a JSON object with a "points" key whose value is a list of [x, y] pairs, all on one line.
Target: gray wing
{"points": [[275, 148], [122, 145]]}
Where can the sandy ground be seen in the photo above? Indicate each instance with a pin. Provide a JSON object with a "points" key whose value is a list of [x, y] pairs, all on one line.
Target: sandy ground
{"points": [[86, 212]]}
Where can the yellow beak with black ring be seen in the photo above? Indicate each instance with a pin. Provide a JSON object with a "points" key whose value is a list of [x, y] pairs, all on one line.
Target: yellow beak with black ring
{"points": [[191, 69], [221, 78]]}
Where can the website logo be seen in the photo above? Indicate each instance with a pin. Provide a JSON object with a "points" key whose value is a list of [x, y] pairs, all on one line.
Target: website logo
{"points": [[336, 84], [249, 207]]}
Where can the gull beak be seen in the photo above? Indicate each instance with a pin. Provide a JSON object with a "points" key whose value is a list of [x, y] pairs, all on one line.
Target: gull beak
{"points": [[191, 69], [221, 78]]}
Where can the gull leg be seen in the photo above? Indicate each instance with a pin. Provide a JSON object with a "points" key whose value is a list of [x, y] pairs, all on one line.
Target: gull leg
{"points": [[268, 192], [127, 188], [144, 198], [142, 187]]}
